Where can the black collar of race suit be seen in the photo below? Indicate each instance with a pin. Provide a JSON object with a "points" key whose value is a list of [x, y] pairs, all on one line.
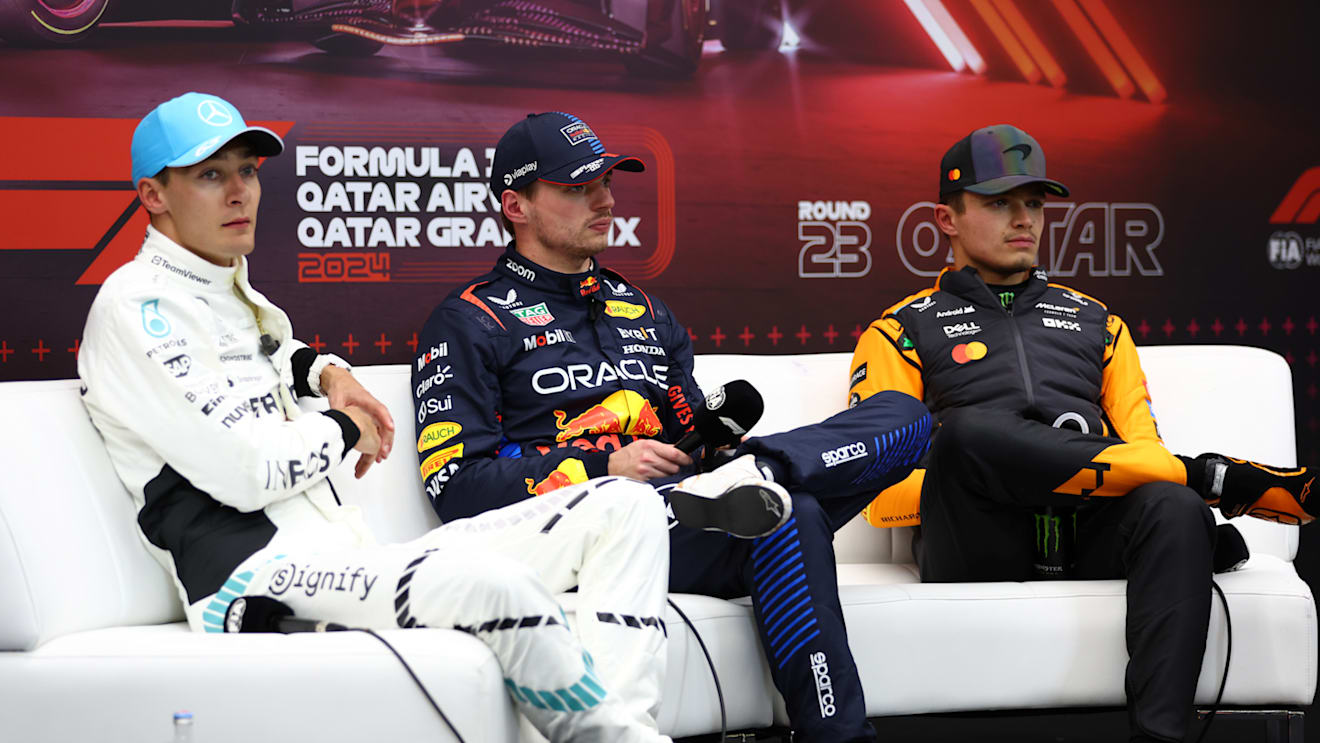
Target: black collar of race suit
{"points": [[580, 286], [967, 284]]}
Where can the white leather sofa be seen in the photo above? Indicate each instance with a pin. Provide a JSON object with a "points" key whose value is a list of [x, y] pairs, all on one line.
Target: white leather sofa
{"points": [[94, 647]]}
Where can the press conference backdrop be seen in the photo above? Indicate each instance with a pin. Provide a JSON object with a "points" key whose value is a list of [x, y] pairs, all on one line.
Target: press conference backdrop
{"points": [[788, 193]]}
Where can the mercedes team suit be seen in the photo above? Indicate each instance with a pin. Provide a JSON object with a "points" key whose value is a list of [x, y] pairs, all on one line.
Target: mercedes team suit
{"points": [[526, 381], [195, 402], [1042, 403]]}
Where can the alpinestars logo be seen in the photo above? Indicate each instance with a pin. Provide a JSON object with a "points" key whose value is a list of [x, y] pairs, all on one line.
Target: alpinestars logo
{"points": [[820, 668], [845, 453]]}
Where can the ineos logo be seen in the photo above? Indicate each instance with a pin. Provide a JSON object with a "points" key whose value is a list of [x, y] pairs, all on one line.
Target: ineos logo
{"points": [[214, 113]]}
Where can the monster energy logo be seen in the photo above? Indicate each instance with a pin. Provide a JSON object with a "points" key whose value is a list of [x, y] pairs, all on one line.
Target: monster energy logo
{"points": [[1048, 524], [1006, 299]]}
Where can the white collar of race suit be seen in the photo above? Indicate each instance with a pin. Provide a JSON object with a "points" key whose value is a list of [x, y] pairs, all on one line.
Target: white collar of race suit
{"points": [[186, 267]]}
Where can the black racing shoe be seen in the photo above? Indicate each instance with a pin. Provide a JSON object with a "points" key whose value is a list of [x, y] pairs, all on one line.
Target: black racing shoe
{"points": [[736, 498], [1239, 487], [1231, 550]]}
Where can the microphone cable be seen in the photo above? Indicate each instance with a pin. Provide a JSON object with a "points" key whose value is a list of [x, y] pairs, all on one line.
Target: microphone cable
{"points": [[719, 692], [1228, 656], [416, 680]]}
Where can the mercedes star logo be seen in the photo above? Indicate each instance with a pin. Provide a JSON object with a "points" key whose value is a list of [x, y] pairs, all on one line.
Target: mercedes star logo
{"points": [[214, 113]]}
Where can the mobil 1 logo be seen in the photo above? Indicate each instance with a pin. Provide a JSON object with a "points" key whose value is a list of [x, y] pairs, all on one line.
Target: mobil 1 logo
{"points": [[836, 240]]}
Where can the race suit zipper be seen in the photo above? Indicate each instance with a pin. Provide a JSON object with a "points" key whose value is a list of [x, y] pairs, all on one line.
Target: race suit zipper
{"points": [[1017, 342]]}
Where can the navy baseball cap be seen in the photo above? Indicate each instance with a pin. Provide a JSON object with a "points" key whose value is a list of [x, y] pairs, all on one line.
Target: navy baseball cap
{"points": [[995, 159], [186, 130], [556, 148]]}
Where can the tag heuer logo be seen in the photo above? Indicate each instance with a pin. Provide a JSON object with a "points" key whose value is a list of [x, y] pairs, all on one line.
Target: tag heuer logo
{"points": [[534, 315]]}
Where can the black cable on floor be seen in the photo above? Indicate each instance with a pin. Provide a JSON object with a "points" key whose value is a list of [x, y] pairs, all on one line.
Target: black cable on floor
{"points": [[1228, 655], [719, 692], [416, 680]]}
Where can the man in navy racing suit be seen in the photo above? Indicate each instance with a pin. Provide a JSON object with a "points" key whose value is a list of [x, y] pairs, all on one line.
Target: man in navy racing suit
{"points": [[551, 370]]}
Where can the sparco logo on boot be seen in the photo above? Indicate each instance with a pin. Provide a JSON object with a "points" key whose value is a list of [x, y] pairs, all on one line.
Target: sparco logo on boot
{"points": [[845, 453], [820, 669]]}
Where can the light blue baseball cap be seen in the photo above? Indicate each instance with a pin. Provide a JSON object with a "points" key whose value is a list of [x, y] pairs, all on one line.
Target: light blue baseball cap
{"points": [[186, 130]]}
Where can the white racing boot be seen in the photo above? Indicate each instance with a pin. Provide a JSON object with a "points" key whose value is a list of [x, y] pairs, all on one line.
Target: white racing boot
{"points": [[738, 498]]}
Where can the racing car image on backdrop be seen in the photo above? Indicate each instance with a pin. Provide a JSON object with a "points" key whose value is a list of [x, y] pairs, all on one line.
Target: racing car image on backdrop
{"points": [[649, 36]]}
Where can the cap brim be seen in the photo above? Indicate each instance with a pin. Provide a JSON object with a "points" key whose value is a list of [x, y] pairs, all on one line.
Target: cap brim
{"points": [[589, 169], [1010, 182], [265, 143]]}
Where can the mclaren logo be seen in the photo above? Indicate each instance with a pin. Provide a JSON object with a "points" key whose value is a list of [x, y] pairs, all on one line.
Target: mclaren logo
{"points": [[1025, 149]]}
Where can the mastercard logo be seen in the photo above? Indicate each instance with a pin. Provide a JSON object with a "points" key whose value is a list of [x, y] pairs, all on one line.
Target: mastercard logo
{"points": [[955, 174], [974, 351]]}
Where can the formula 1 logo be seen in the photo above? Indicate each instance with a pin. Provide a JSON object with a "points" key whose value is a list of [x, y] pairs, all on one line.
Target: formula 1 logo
{"points": [[1301, 205], [836, 241]]}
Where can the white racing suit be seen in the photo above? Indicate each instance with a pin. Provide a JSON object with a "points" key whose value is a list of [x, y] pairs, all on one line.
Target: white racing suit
{"points": [[230, 482]]}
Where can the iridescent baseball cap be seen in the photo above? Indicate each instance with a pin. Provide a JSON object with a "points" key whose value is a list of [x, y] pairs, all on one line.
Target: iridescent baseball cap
{"points": [[995, 159], [186, 130]]}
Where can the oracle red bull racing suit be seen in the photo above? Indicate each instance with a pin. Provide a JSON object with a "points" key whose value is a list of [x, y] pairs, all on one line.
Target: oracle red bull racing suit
{"points": [[527, 379]]}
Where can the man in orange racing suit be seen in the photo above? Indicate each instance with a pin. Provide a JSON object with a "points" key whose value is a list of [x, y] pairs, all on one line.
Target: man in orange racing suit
{"points": [[1044, 409]]}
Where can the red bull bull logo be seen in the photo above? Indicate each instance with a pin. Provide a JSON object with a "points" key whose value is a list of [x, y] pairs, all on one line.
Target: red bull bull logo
{"points": [[568, 472], [588, 286], [624, 411]]}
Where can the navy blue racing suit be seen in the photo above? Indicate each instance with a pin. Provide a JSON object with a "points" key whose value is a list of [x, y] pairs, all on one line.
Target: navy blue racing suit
{"points": [[527, 379]]}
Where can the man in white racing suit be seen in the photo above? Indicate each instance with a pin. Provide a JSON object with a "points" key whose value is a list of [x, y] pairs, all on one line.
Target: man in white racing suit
{"points": [[191, 377]]}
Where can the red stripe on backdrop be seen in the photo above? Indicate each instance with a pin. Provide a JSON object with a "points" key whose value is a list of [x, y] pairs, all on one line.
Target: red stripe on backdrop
{"points": [[65, 220], [76, 149]]}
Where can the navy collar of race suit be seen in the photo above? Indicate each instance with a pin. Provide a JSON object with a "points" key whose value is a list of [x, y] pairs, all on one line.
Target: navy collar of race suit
{"points": [[968, 284], [580, 286]]}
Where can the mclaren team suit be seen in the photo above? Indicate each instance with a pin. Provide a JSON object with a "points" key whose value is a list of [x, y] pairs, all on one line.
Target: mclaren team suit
{"points": [[1042, 403], [528, 379], [230, 482]]}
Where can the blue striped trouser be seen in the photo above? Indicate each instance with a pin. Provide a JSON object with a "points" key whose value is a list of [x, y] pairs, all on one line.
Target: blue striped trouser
{"points": [[832, 469]]}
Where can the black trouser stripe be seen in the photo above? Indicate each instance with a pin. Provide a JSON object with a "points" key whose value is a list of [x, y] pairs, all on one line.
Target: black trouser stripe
{"points": [[404, 617], [555, 519], [510, 623], [628, 620]]}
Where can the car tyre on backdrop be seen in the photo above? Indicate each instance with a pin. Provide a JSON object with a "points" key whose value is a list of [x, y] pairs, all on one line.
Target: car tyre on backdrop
{"points": [[749, 25], [675, 31], [49, 22]]}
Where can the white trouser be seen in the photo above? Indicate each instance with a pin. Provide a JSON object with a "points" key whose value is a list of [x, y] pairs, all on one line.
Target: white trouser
{"points": [[495, 576]]}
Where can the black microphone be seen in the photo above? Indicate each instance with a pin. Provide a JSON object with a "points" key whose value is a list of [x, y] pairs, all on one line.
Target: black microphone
{"points": [[263, 614], [730, 412]]}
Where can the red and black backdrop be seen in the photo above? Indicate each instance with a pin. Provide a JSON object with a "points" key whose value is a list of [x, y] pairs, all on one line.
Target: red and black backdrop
{"points": [[787, 196]]}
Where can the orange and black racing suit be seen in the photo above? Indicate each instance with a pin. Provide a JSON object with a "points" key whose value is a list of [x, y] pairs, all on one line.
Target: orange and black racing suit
{"points": [[1042, 403]]}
